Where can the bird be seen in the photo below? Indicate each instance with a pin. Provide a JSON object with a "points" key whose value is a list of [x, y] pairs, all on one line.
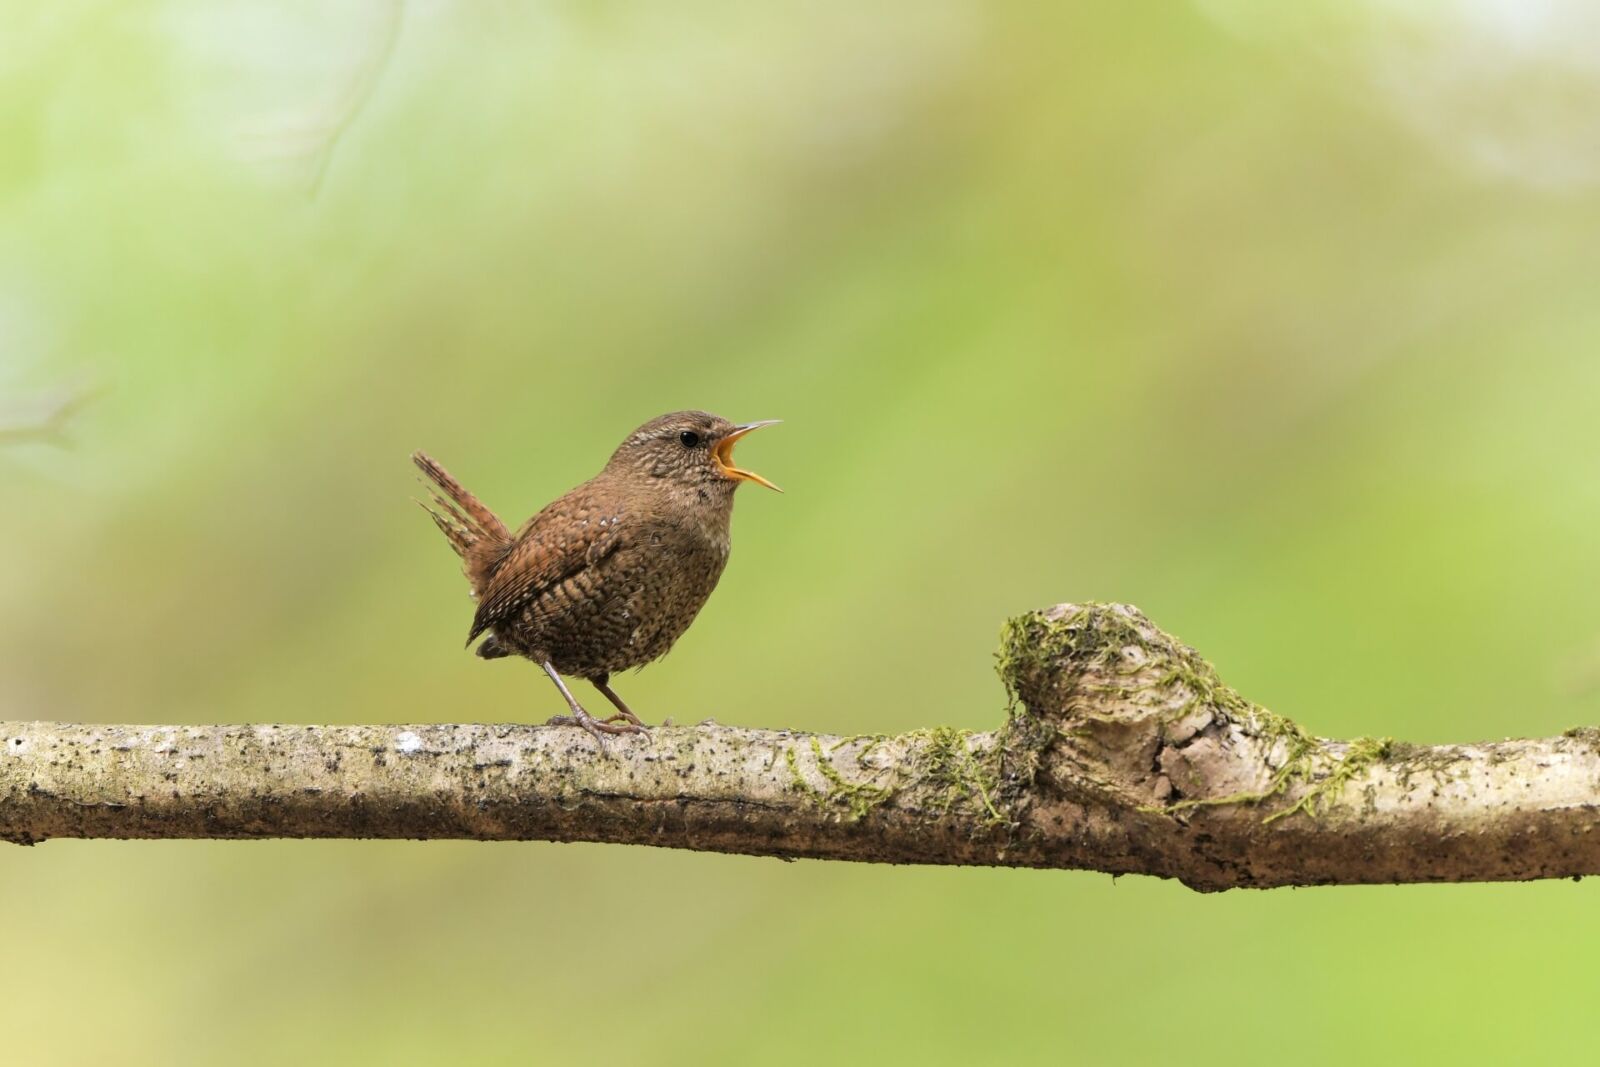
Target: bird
{"points": [[608, 576]]}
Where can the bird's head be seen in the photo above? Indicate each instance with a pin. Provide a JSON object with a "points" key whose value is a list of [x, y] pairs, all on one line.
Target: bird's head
{"points": [[692, 451]]}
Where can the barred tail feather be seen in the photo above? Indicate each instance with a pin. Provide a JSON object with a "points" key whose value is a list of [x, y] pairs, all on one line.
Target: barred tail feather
{"points": [[476, 533]]}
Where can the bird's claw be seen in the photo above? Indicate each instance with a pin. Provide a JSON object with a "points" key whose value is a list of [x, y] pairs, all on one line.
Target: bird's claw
{"points": [[596, 728]]}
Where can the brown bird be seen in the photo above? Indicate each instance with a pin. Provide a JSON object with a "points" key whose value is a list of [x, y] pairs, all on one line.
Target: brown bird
{"points": [[608, 576]]}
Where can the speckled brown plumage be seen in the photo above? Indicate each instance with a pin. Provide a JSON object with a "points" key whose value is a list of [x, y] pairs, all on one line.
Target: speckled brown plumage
{"points": [[608, 576]]}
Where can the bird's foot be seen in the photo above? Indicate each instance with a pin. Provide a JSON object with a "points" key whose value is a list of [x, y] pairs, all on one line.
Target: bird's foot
{"points": [[629, 717], [596, 728]]}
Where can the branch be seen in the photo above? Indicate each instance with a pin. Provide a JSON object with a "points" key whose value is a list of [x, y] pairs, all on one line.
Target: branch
{"points": [[1123, 753], [318, 138], [46, 421]]}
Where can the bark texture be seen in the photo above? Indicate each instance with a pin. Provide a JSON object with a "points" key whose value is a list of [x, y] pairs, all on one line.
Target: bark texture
{"points": [[1122, 753]]}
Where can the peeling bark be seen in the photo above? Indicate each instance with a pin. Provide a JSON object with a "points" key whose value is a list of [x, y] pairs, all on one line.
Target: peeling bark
{"points": [[1123, 753]]}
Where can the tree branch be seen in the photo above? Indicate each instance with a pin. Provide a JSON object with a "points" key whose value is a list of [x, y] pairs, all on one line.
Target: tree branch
{"points": [[45, 421], [1123, 753]]}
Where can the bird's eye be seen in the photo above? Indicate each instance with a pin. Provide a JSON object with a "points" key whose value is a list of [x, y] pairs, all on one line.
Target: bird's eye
{"points": [[689, 439]]}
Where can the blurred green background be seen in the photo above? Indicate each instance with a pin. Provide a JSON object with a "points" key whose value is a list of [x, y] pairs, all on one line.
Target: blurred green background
{"points": [[1277, 321]]}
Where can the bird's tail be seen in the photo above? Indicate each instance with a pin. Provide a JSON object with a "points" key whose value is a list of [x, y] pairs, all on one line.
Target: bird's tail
{"points": [[475, 532]]}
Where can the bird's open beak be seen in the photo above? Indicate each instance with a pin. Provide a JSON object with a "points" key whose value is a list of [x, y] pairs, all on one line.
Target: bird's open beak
{"points": [[722, 452]]}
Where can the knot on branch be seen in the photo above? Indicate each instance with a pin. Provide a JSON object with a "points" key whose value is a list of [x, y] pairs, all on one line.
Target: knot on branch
{"points": [[1093, 690], [1046, 656], [1116, 711]]}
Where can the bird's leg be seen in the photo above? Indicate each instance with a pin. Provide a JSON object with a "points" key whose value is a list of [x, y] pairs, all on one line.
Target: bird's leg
{"points": [[582, 718], [601, 682]]}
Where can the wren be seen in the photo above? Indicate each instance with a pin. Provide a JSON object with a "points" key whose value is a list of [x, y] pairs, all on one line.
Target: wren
{"points": [[610, 575]]}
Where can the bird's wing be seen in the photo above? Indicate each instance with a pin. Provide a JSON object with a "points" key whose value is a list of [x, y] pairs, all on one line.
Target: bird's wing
{"points": [[559, 543]]}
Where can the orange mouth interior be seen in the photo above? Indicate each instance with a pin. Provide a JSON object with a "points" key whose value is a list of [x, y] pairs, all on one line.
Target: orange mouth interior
{"points": [[722, 452]]}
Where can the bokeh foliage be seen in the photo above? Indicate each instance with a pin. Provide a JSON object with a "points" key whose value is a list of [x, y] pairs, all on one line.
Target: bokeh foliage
{"points": [[1266, 318]]}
